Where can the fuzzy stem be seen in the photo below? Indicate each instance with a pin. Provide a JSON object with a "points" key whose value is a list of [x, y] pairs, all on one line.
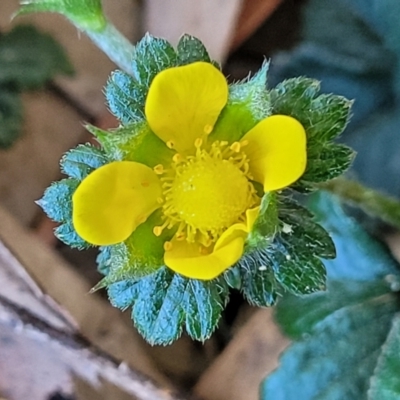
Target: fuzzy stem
{"points": [[115, 45], [371, 201]]}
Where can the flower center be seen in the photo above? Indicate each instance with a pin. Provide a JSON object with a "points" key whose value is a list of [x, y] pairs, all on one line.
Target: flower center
{"points": [[206, 193]]}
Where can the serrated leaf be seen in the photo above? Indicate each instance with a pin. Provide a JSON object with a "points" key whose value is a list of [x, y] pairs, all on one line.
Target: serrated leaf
{"points": [[341, 332], [259, 285], [125, 97], [87, 14], [337, 360], [359, 257], [57, 200], [103, 260], [327, 162], [203, 303], [164, 303], [67, 234], [385, 384], [29, 58], [190, 50], [10, 117], [152, 56], [78, 163]]}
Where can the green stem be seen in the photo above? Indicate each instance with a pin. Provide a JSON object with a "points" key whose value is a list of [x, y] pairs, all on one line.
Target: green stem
{"points": [[115, 45], [371, 201]]}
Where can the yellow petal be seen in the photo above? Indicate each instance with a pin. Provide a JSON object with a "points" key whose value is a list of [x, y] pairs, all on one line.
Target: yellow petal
{"points": [[113, 200], [188, 259], [184, 103], [277, 151]]}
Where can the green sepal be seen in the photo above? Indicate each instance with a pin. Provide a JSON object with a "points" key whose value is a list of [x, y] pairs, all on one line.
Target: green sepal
{"points": [[152, 56], [385, 385], [190, 50], [78, 163], [266, 224], [164, 303], [30, 58], [135, 142], [324, 117], [87, 14], [10, 117], [248, 103], [57, 200], [125, 97], [67, 234]]}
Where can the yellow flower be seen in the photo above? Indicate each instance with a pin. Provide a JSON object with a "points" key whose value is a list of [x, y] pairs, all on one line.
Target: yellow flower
{"points": [[207, 190]]}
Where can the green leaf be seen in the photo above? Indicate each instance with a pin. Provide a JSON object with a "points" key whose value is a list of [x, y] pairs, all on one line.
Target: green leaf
{"points": [[57, 200], [248, 103], [78, 163], [67, 234], [87, 14], [153, 55], [337, 359], [190, 50], [385, 384], [125, 97], [10, 117], [164, 303], [327, 162], [103, 260], [342, 334], [29, 58]]}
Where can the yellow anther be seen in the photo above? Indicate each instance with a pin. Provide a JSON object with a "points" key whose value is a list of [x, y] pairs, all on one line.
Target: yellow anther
{"points": [[170, 144], [167, 246], [160, 200], [159, 169], [157, 230], [198, 142], [244, 143], [208, 129], [180, 236], [177, 158], [235, 146], [203, 250]]}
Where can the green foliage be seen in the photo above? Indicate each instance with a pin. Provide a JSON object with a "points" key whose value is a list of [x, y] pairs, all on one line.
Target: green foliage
{"points": [[125, 97], [28, 59], [324, 118], [87, 14], [190, 50], [164, 303], [347, 337], [10, 117], [153, 55], [78, 163]]}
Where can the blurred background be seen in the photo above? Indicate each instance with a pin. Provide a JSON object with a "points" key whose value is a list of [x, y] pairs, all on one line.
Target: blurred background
{"points": [[351, 46]]}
